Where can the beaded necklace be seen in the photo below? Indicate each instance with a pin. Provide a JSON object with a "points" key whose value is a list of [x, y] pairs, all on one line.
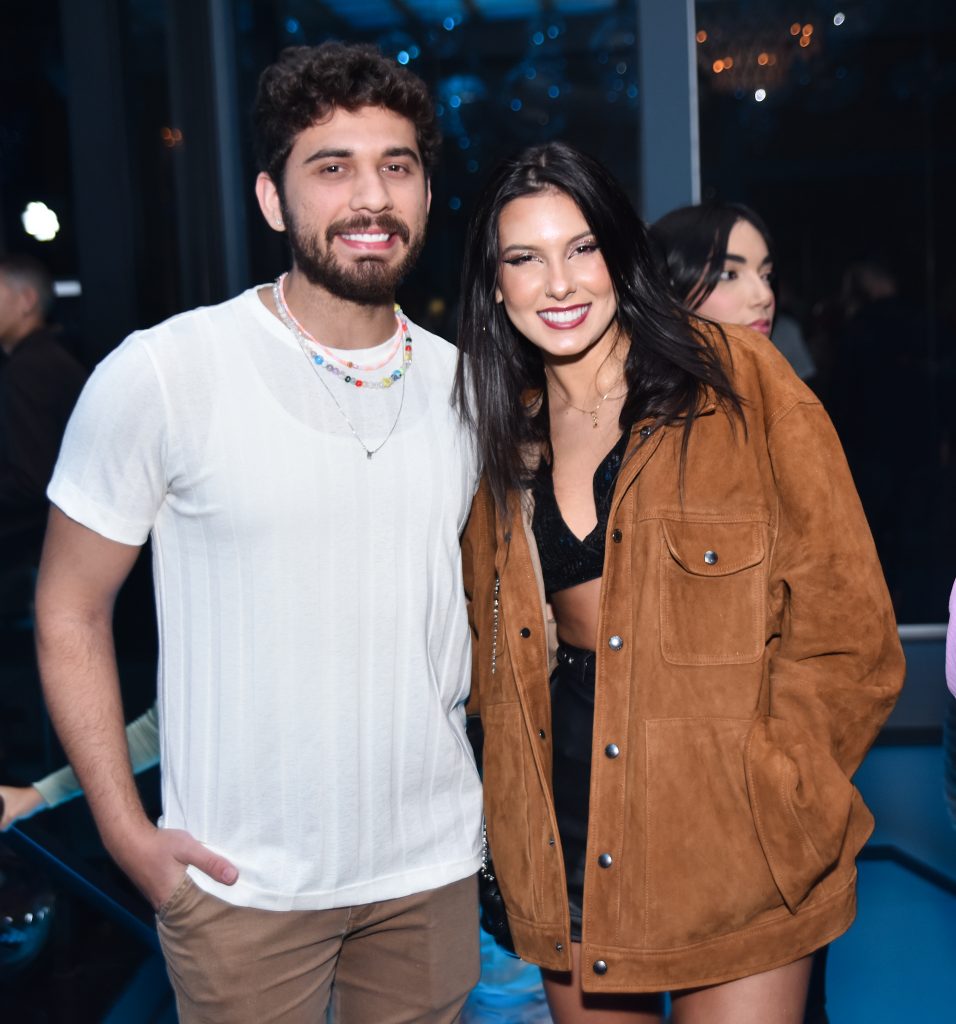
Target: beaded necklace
{"points": [[317, 360], [322, 356]]}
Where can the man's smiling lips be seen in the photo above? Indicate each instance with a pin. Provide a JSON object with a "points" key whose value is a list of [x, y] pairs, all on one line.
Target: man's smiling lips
{"points": [[374, 241], [565, 318]]}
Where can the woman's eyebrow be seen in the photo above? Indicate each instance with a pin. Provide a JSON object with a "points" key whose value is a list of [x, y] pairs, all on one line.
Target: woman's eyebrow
{"points": [[534, 248]]}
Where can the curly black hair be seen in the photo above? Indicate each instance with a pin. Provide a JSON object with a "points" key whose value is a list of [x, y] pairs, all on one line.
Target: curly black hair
{"points": [[307, 83]]}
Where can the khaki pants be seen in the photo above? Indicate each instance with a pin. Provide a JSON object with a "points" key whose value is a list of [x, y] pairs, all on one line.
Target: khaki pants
{"points": [[405, 961]]}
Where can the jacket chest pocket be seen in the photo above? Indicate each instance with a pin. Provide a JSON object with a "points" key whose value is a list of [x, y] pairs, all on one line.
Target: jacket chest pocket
{"points": [[713, 592]]}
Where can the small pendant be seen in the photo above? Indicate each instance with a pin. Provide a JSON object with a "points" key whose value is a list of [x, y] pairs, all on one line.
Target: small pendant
{"points": [[594, 420], [368, 455]]}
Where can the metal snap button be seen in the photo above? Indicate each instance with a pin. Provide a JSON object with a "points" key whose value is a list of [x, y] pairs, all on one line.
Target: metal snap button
{"points": [[710, 557], [616, 536], [525, 632], [600, 967], [646, 431], [541, 733], [559, 946], [612, 750], [615, 642], [605, 860]]}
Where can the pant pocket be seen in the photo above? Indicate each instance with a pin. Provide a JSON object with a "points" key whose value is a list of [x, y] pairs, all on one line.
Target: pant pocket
{"points": [[176, 897]]}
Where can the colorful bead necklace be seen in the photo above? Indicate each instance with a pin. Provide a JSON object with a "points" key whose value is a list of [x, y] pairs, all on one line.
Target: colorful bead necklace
{"points": [[322, 356]]}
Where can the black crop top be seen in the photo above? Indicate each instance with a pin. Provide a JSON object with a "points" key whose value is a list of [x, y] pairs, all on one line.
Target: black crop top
{"points": [[566, 560]]}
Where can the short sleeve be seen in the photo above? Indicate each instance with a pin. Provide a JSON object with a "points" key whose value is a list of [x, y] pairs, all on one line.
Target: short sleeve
{"points": [[111, 475]]}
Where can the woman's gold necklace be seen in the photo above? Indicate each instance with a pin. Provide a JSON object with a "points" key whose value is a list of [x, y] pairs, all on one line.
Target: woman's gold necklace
{"points": [[593, 412]]}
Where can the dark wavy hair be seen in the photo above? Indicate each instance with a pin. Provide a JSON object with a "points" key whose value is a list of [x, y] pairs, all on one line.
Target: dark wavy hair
{"points": [[670, 359], [691, 244], [307, 83]]}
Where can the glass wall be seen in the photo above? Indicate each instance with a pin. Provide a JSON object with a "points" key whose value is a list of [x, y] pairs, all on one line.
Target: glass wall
{"points": [[834, 121]]}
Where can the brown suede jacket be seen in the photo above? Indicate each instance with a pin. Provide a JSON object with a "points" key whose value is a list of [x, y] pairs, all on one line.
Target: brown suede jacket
{"points": [[748, 657]]}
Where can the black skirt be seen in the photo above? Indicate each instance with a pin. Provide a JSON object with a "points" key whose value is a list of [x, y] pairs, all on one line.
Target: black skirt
{"points": [[572, 725]]}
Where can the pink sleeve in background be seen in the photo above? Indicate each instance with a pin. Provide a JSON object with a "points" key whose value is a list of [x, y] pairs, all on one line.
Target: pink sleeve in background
{"points": [[951, 644]]}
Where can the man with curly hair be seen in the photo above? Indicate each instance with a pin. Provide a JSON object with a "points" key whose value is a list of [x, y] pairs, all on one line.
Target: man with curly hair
{"points": [[305, 482]]}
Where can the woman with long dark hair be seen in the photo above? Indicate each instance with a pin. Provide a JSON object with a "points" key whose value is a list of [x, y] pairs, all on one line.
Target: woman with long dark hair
{"points": [[683, 642]]}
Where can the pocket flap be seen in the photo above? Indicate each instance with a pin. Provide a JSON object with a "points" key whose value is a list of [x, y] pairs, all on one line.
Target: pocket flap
{"points": [[714, 549]]}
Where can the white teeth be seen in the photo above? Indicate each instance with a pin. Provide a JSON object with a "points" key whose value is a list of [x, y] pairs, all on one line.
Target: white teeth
{"points": [[564, 316], [366, 238]]}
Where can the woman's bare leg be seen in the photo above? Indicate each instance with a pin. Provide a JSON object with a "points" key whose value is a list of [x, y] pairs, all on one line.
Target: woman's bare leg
{"points": [[773, 997], [569, 1005]]}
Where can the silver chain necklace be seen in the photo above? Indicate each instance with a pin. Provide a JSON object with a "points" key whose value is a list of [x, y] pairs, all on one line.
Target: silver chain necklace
{"points": [[286, 317]]}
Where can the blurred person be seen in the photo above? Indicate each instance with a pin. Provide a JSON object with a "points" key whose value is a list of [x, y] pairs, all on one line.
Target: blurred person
{"points": [[39, 385], [305, 484], [667, 764], [719, 257], [18, 803]]}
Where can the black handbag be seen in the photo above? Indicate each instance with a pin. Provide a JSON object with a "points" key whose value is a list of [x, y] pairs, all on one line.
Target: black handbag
{"points": [[492, 913]]}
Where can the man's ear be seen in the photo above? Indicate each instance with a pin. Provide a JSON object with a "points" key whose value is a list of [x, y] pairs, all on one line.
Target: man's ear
{"points": [[269, 204], [428, 195]]}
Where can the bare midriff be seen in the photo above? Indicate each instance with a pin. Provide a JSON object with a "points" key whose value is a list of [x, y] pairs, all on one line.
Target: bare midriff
{"points": [[576, 613]]}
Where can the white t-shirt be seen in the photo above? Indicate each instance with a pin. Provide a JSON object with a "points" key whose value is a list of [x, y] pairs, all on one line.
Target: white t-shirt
{"points": [[314, 647]]}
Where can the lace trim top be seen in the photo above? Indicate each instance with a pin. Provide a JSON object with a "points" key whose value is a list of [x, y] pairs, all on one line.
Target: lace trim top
{"points": [[566, 560]]}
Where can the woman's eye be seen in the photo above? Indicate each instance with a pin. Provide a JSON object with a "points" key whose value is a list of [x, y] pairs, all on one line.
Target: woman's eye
{"points": [[514, 261], [728, 275], [587, 247]]}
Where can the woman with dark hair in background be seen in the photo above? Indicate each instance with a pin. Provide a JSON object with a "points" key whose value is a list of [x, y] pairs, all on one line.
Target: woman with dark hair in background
{"points": [[667, 762], [719, 259]]}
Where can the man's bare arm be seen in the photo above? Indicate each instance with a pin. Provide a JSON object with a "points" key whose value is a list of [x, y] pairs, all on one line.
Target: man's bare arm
{"points": [[81, 573]]}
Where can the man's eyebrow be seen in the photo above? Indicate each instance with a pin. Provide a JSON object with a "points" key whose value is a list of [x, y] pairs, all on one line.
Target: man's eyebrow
{"points": [[403, 151], [336, 153], [325, 154]]}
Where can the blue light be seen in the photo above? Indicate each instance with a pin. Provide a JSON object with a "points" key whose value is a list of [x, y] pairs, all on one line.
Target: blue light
{"points": [[454, 203], [454, 102], [403, 57], [472, 166], [439, 109], [632, 92], [291, 26], [464, 142], [537, 38], [554, 92], [516, 105], [448, 24], [531, 74], [413, 52], [553, 31]]}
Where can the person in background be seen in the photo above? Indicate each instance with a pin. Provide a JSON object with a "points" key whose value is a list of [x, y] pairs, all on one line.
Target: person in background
{"points": [[39, 384], [667, 764], [719, 257], [20, 802]]}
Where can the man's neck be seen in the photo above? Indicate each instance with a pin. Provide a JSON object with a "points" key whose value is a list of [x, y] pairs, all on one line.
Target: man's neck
{"points": [[332, 320]]}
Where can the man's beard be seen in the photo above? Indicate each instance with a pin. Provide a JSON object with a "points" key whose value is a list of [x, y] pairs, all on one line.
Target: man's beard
{"points": [[368, 282]]}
